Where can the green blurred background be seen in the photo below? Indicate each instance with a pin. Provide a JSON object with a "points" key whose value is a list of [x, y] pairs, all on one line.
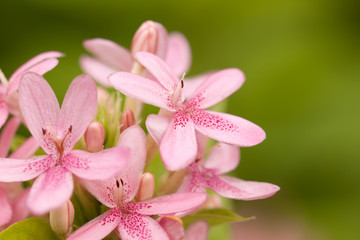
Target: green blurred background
{"points": [[302, 63]]}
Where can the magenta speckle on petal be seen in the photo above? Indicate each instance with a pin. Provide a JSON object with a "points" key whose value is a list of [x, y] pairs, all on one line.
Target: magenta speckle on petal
{"points": [[135, 226], [207, 120], [76, 162], [111, 218], [39, 166]]}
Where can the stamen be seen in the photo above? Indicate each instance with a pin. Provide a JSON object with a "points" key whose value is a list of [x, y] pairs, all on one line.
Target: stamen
{"points": [[117, 184], [67, 133], [43, 131], [122, 182], [117, 191]]}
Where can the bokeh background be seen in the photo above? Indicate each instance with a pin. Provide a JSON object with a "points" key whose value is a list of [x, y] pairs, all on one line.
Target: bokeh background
{"points": [[302, 63]]}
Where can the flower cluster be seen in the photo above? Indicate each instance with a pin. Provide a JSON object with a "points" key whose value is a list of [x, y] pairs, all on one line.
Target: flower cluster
{"points": [[93, 147]]}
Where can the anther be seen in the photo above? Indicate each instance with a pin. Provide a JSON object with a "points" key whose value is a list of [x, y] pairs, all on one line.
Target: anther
{"points": [[43, 131], [70, 128], [117, 184], [122, 182]]}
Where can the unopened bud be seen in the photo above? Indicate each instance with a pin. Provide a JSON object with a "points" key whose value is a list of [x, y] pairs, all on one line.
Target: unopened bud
{"points": [[146, 38], [94, 137], [127, 120], [147, 187], [173, 226], [212, 201], [62, 218]]}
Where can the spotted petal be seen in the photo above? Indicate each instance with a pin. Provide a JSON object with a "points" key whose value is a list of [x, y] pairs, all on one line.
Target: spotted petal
{"points": [[16, 170], [227, 128], [135, 226], [178, 146], [50, 190], [97, 228], [231, 187], [97, 166]]}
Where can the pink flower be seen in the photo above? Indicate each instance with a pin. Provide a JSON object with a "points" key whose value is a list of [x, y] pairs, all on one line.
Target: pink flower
{"points": [[132, 219], [40, 64], [56, 132], [176, 136], [12, 195], [151, 36], [174, 228], [209, 174]]}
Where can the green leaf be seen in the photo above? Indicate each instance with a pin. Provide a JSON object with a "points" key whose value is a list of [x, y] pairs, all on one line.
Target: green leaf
{"points": [[214, 217], [29, 229]]}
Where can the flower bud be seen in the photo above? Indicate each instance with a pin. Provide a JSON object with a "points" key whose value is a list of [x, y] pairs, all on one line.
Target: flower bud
{"points": [[94, 137], [173, 226], [146, 188], [62, 218], [146, 38], [127, 120]]}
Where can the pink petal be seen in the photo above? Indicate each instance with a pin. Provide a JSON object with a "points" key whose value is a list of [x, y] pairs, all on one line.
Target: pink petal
{"points": [[135, 226], [169, 204], [142, 89], [223, 158], [157, 125], [217, 87], [133, 138], [40, 64], [178, 55], [20, 210], [26, 149], [162, 41], [191, 84], [6, 211], [112, 54], [178, 146], [50, 190], [7, 135], [173, 227], [227, 128], [102, 190], [78, 109], [197, 231], [98, 228], [97, 166], [4, 113], [16, 170], [158, 68], [96, 69], [235, 188], [39, 107], [193, 182]]}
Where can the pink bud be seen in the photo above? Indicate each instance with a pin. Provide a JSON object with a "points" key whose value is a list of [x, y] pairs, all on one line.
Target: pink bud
{"points": [[94, 137], [147, 187], [146, 38], [127, 119], [173, 226], [62, 218]]}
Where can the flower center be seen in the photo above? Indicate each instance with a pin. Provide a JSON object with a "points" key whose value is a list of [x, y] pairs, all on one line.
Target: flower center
{"points": [[58, 142]]}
